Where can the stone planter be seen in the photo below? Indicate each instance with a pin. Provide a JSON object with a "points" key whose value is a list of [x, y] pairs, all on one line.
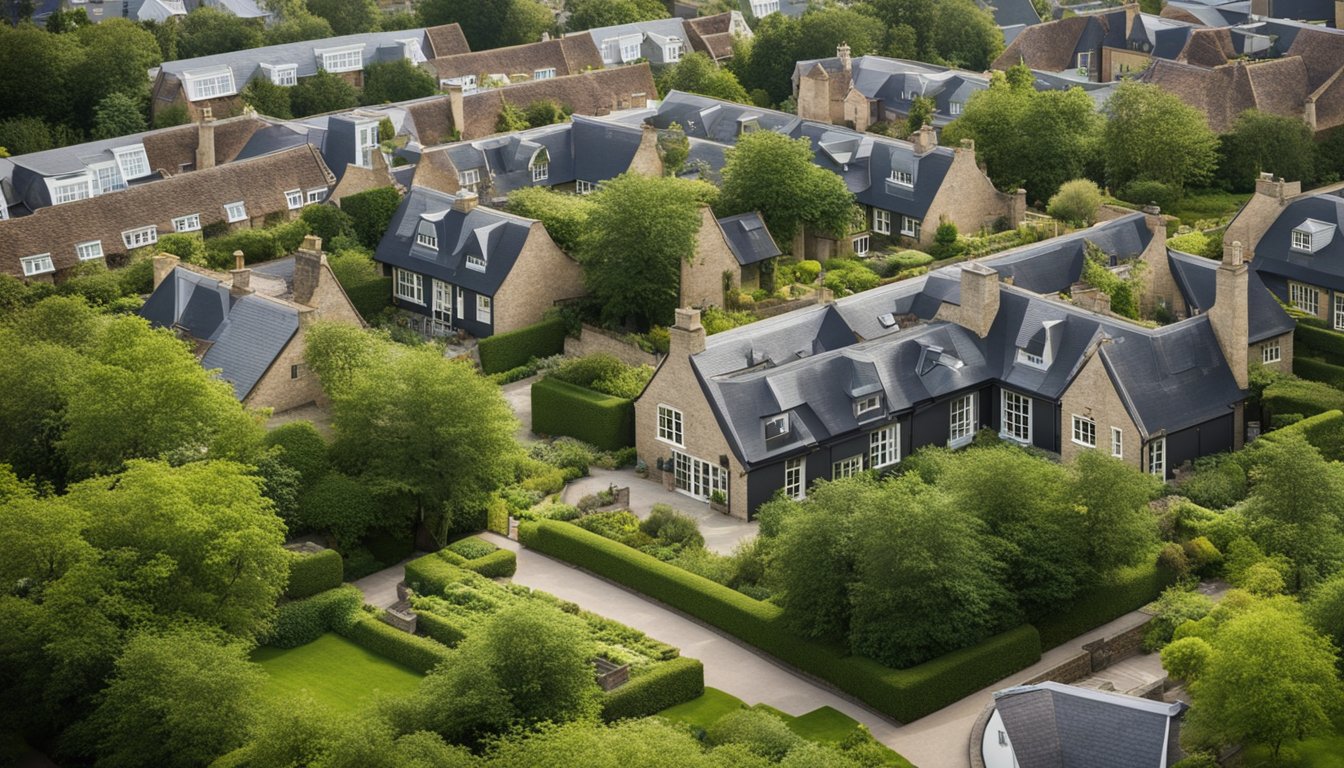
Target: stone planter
{"points": [[720, 507], [609, 675]]}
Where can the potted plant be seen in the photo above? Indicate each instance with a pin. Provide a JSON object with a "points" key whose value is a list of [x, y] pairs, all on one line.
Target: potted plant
{"points": [[718, 502]]}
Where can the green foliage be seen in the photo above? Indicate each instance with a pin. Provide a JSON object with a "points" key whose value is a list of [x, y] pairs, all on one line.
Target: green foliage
{"points": [[418, 653], [1260, 142], [759, 731], [654, 689], [206, 31], [323, 92], [697, 73], [1323, 431], [471, 547], [490, 23], [187, 246], [1145, 191], [336, 352], [328, 222], [717, 320], [672, 527], [371, 212], [674, 148], [847, 276], [1125, 591], [1291, 395], [965, 35], [604, 373], [921, 113], [909, 260], [303, 448], [297, 26], [773, 174], [1294, 507], [268, 98], [313, 573], [807, 271], [1175, 607], [564, 216], [1219, 481], [546, 112], [392, 81], [594, 14], [1186, 658], [1076, 201], [347, 17], [767, 61], [1136, 114], [560, 408], [117, 115], [362, 279], [945, 245], [300, 622], [256, 244], [1123, 292], [22, 135], [503, 351]]}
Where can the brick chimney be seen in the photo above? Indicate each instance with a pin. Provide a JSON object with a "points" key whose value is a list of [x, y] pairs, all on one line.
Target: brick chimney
{"points": [[925, 140], [1229, 313], [307, 269], [205, 141], [465, 202], [164, 264], [242, 276], [846, 63], [979, 298], [456, 111], [687, 335]]}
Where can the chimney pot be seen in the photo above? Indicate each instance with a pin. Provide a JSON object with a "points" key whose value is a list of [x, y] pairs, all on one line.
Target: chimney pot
{"points": [[465, 201], [687, 335], [307, 269], [239, 260]]}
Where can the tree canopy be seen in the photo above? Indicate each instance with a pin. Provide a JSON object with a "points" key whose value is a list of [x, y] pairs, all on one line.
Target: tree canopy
{"points": [[323, 92], [399, 80], [1261, 142], [697, 73], [773, 174], [490, 23], [1152, 135], [208, 30], [592, 14]]}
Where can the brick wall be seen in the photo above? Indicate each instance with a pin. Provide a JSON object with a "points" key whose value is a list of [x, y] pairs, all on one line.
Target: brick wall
{"points": [[967, 198], [541, 276], [1092, 394], [277, 389], [702, 275], [594, 341]]}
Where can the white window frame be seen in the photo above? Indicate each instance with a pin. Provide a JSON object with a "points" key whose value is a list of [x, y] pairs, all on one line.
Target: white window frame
{"points": [[188, 223], [698, 478], [866, 406], [795, 478], [671, 428], [1304, 297], [366, 143], [1301, 241], [412, 50], [314, 196], [140, 236], [1084, 60], [1015, 417], [584, 187], [541, 169], [630, 45], [954, 107], [1270, 352], [881, 221], [428, 240], [70, 189], [910, 227], [1339, 311], [90, 250], [284, 75], [1157, 457], [235, 212], [209, 84], [762, 8], [1084, 431], [409, 286], [484, 309], [1117, 443], [132, 162], [39, 264], [961, 420], [672, 51], [469, 179], [782, 430], [884, 446], [107, 177], [346, 58], [902, 178], [294, 199], [543, 74], [847, 467], [1033, 360], [475, 262], [861, 244]]}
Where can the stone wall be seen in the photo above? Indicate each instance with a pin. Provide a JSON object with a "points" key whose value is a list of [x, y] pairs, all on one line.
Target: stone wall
{"points": [[541, 276], [966, 198], [595, 341], [702, 275], [1092, 394]]}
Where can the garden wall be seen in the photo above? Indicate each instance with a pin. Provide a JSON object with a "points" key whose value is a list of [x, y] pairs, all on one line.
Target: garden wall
{"points": [[561, 408], [595, 341]]}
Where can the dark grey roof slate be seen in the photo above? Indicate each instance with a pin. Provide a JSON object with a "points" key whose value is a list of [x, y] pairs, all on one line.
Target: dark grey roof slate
{"points": [[1274, 254], [748, 238], [1051, 266], [1061, 726], [1196, 277], [1011, 13]]}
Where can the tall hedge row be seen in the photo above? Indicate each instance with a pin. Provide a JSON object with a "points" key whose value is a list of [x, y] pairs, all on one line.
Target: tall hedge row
{"points": [[411, 651], [371, 213], [300, 622], [1324, 430], [561, 408], [1314, 336], [1318, 370], [1129, 590], [503, 351], [649, 692], [438, 628], [1302, 397], [904, 694], [313, 573]]}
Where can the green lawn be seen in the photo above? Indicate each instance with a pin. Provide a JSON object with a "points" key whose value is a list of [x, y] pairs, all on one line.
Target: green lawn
{"points": [[335, 672], [1322, 752], [701, 712]]}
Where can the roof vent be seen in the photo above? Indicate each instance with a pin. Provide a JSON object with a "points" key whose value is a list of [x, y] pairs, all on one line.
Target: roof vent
{"points": [[887, 321]]}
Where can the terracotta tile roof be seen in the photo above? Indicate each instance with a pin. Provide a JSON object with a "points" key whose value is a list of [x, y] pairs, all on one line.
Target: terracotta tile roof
{"points": [[719, 46], [567, 55], [1047, 46], [1223, 93], [433, 120], [1208, 48], [597, 92], [446, 40], [169, 150], [260, 183]]}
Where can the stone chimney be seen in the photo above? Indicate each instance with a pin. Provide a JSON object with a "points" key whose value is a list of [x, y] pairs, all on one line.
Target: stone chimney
{"points": [[307, 269], [1229, 314], [465, 202], [456, 110], [925, 140], [1339, 14], [1309, 112], [164, 264], [846, 63], [979, 298], [1276, 187], [687, 335], [1260, 8], [242, 276], [205, 141]]}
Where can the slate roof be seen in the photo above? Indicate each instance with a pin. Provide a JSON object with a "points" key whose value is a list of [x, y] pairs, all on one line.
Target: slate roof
{"points": [[1208, 15], [243, 9], [496, 235], [1275, 261], [748, 238], [244, 334], [653, 36], [1012, 13], [1196, 277], [567, 55], [806, 362], [892, 80], [1051, 725]]}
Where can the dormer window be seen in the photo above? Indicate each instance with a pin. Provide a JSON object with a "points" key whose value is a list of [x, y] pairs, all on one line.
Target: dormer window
{"points": [[1301, 241], [411, 50], [132, 161], [748, 124], [540, 166], [762, 8], [366, 137], [282, 74], [1034, 360], [209, 83], [954, 107], [427, 239], [777, 426], [68, 189], [476, 261], [1311, 236], [470, 179], [672, 51], [901, 177], [349, 58], [867, 407], [37, 265], [1084, 60], [543, 74]]}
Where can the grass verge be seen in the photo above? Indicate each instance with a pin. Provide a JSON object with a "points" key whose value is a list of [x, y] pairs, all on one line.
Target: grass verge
{"points": [[335, 672]]}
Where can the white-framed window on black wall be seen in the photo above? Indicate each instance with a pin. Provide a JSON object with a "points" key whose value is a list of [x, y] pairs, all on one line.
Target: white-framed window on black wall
{"points": [[1157, 457], [1016, 421], [410, 286], [884, 446], [848, 467], [795, 478], [961, 423]]}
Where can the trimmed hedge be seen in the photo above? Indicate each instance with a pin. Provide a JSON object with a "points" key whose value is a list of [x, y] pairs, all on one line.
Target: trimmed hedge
{"points": [[1315, 369], [440, 629], [1324, 430], [313, 573], [300, 622], [1324, 342], [906, 694], [503, 351], [429, 575], [561, 408], [1299, 396], [411, 651], [1134, 588], [659, 687], [497, 565]]}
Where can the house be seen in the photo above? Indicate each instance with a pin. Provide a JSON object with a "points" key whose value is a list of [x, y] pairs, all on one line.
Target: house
{"points": [[1011, 16], [1051, 725], [905, 187], [714, 35], [162, 10], [216, 81], [250, 324], [828, 391], [519, 63], [457, 266], [729, 255], [752, 247], [665, 41], [573, 156], [241, 194], [1328, 13]]}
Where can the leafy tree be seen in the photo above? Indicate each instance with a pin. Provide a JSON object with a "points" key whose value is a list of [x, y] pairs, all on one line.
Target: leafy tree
{"points": [[48, 63], [297, 28], [341, 506], [21, 135], [1076, 201], [1325, 609], [564, 216], [207, 31], [1294, 508], [640, 231], [766, 62], [674, 148], [1153, 135], [921, 113], [337, 352], [1112, 498], [697, 73], [177, 699], [773, 174], [117, 54], [965, 35], [173, 114], [822, 30], [1262, 142], [945, 244], [117, 115], [1268, 680], [592, 14], [323, 92], [1187, 658], [371, 213], [42, 539], [511, 118], [268, 98], [400, 80], [60, 22], [648, 742], [546, 112], [347, 17], [902, 18], [328, 222], [166, 33], [388, 22], [542, 660], [490, 23], [303, 448]]}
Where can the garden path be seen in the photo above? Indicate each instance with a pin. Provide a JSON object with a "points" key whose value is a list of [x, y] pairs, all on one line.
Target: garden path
{"points": [[519, 397]]}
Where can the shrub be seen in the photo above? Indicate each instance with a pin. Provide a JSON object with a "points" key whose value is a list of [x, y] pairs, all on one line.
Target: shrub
{"points": [[560, 408], [606, 374], [806, 271], [439, 628], [429, 575], [671, 527], [1173, 558], [945, 244], [313, 573], [1126, 591], [471, 547], [304, 449], [617, 525], [499, 564], [1195, 242], [189, 247], [909, 260], [503, 351], [1321, 342], [418, 653], [1144, 192], [1202, 554], [1325, 431], [300, 622], [1302, 397], [1076, 201], [654, 689], [1219, 481], [759, 731], [565, 216], [846, 277], [342, 506], [328, 222], [1175, 607], [362, 280], [497, 516], [1184, 659], [1314, 369], [371, 212]]}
